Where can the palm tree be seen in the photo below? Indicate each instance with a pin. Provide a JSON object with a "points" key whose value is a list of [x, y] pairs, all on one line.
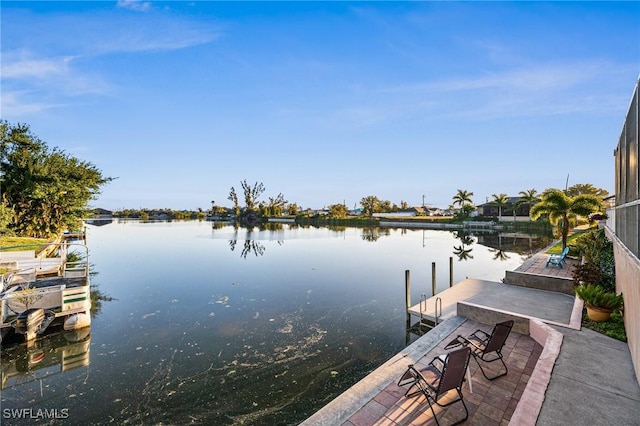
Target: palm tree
{"points": [[562, 209], [462, 197], [530, 196], [500, 200]]}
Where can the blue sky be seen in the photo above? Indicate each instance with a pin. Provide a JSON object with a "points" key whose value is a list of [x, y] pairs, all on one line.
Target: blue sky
{"points": [[325, 102]]}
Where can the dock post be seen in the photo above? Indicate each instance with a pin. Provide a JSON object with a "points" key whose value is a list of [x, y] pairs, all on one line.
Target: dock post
{"points": [[407, 295], [433, 278], [451, 271]]}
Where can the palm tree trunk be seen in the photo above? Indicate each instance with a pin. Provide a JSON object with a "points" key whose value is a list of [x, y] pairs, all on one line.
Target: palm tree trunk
{"points": [[565, 231]]}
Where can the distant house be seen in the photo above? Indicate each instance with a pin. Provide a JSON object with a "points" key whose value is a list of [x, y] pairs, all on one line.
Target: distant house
{"points": [[411, 212], [490, 209], [102, 214]]}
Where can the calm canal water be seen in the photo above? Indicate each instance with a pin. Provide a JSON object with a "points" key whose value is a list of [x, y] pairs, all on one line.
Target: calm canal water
{"points": [[222, 326]]}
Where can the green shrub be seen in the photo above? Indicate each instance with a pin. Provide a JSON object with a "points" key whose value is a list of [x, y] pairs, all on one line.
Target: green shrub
{"points": [[613, 328], [598, 297], [597, 251]]}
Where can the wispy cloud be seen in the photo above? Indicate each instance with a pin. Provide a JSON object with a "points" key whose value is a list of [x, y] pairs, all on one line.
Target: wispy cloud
{"points": [[56, 60], [141, 6], [21, 103], [538, 90], [22, 65]]}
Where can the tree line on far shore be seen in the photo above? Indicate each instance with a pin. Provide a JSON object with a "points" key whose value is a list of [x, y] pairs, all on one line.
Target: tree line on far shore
{"points": [[46, 191]]}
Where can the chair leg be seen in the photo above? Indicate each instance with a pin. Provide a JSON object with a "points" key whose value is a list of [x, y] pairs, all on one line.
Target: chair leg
{"points": [[506, 370], [466, 412], [432, 410], [460, 398]]}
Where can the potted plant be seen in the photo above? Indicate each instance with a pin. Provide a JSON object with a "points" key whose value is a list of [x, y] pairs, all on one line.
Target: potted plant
{"points": [[599, 303], [601, 218]]}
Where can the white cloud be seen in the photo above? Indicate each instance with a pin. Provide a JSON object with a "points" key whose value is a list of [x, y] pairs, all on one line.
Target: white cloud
{"points": [[22, 64], [19, 104], [46, 67], [141, 6], [540, 90]]}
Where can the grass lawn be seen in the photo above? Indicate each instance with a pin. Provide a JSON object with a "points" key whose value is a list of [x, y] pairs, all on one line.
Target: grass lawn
{"points": [[557, 248], [21, 243]]}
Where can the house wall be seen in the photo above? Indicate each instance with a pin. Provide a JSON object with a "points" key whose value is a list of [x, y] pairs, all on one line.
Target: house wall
{"points": [[622, 225], [628, 283]]}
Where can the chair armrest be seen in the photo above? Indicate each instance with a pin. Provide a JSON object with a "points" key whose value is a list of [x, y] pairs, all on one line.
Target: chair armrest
{"points": [[481, 335], [438, 362], [458, 341]]}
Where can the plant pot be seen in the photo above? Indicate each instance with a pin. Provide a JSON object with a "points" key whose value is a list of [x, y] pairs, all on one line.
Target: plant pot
{"points": [[598, 314]]}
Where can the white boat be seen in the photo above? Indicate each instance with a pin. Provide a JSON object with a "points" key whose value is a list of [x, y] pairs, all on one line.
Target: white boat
{"points": [[63, 295]]}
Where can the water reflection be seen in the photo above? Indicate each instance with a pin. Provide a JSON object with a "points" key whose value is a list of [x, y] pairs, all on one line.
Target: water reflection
{"points": [[499, 254], [373, 234], [229, 341], [463, 251], [47, 356], [251, 243], [250, 246]]}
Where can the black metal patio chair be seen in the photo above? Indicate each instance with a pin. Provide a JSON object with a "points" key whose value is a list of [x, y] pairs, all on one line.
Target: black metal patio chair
{"points": [[442, 375], [487, 347]]}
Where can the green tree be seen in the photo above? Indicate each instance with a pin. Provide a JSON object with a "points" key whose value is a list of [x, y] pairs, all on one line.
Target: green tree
{"points": [[586, 188], [562, 209], [233, 197], [251, 194], [500, 200], [275, 206], [404, 205], [370, 205], [6, 218], [338, 211], [47, 189], [293, 209]]}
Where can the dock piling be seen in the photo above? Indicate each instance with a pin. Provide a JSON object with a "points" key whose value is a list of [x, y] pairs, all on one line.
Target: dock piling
{"points": [[433, 278], [451, 271], [407, 294]]}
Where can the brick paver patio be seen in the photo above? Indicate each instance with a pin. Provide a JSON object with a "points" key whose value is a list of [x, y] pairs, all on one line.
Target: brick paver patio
{"points": [[490, 403]]}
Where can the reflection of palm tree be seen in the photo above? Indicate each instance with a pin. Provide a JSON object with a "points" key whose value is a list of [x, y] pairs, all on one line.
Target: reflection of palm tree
{"points": [[499, 254], [467, 240], [252, 246], [462, 252]]}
